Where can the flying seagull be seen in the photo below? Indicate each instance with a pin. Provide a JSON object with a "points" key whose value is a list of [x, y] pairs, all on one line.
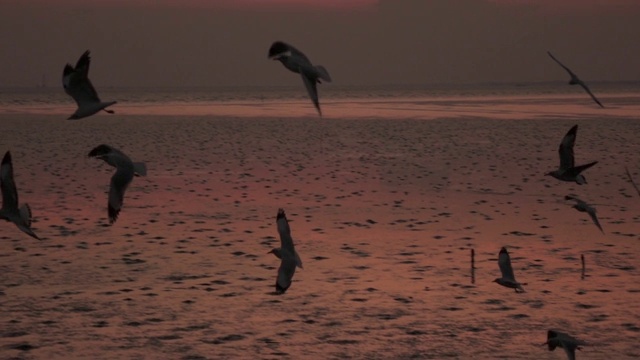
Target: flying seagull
{"points": [[287, 254], [567, 170], [576, 81], [294, 60], [125, 171], [77, 85], [567, 342], [285, 239], [584, 207], [21, 216], [507, 279]]}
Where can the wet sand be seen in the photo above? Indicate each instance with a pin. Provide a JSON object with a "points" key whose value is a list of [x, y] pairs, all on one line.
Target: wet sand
{"points": [[384, 211]]}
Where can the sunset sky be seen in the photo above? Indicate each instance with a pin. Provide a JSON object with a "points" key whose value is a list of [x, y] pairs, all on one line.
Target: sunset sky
{"points": [[225, 42]]}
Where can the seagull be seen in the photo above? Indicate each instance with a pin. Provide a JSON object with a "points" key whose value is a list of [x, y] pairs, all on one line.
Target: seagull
{"points": [[10, 211], [584, 207], [567, 170], [507, 279], [294, 60], [289, 258], [576, 81], [567, 342], [125, 170], [285, 238], [77, 85]]}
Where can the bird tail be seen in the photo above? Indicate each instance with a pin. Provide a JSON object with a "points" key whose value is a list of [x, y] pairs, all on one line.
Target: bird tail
{"points": [[323, 73], [140, 168]]}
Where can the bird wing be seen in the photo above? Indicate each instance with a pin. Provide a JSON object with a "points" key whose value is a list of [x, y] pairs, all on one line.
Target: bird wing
{"points": [[286, 241], [25, 223], [285, 272], [119, 182], [574, 171], [592, 212], [574, 198], [586, 88], [504, 262], [311, 84], [76, 81], [631, 179], [9, 191], [565, 150], [561, 64], [569, 350]]}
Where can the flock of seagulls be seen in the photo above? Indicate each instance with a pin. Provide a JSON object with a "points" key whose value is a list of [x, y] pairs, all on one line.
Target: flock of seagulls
{"points": [[76, 84]]}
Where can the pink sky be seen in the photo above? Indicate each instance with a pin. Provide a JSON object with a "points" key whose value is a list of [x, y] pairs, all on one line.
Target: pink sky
{"points": [[563, 5], [195, 43]]}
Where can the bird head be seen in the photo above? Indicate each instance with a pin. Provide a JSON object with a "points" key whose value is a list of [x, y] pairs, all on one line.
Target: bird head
{"points": [[281, 214], [279, 50], [100, 150]]}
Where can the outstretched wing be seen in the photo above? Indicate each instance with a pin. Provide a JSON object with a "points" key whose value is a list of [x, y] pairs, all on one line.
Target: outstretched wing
{"points": [[561, 64], [285, 272], [286, 241], [504, 262], [119, 182], [592, 212], [76, 81], [311, 84], [586, 88], [565, 150], [574, 171], [9, 191], [631, 179], [25, 221]]}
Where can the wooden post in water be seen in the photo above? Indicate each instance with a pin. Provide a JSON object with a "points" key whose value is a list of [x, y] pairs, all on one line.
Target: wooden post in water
{"points": [[473, 266], [583, 266]]}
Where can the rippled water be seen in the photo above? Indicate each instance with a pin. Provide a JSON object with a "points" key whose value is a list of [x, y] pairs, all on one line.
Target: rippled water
{"points": [[384, 210]]}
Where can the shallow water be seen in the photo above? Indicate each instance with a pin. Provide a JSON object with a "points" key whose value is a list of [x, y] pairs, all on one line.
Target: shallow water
{"points": [[385, 208]]}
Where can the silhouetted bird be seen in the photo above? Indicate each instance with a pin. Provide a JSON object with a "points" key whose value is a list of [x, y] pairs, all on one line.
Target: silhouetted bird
{"points": [[576, 81], [10, 211], [294, 60], [77, 85], [125, 170], [567, 170]]}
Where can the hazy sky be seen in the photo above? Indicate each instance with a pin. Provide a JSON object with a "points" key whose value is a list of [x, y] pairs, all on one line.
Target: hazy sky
{"points": [[225, 42]]}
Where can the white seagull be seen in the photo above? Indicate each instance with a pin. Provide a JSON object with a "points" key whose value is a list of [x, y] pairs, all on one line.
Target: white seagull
{"points": [[507, 279], [77, 85], [289, 258], [576, 81], [584, 207], [567, 342], [567, 170], [21, 216], [125, 171], [294, 60]]}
